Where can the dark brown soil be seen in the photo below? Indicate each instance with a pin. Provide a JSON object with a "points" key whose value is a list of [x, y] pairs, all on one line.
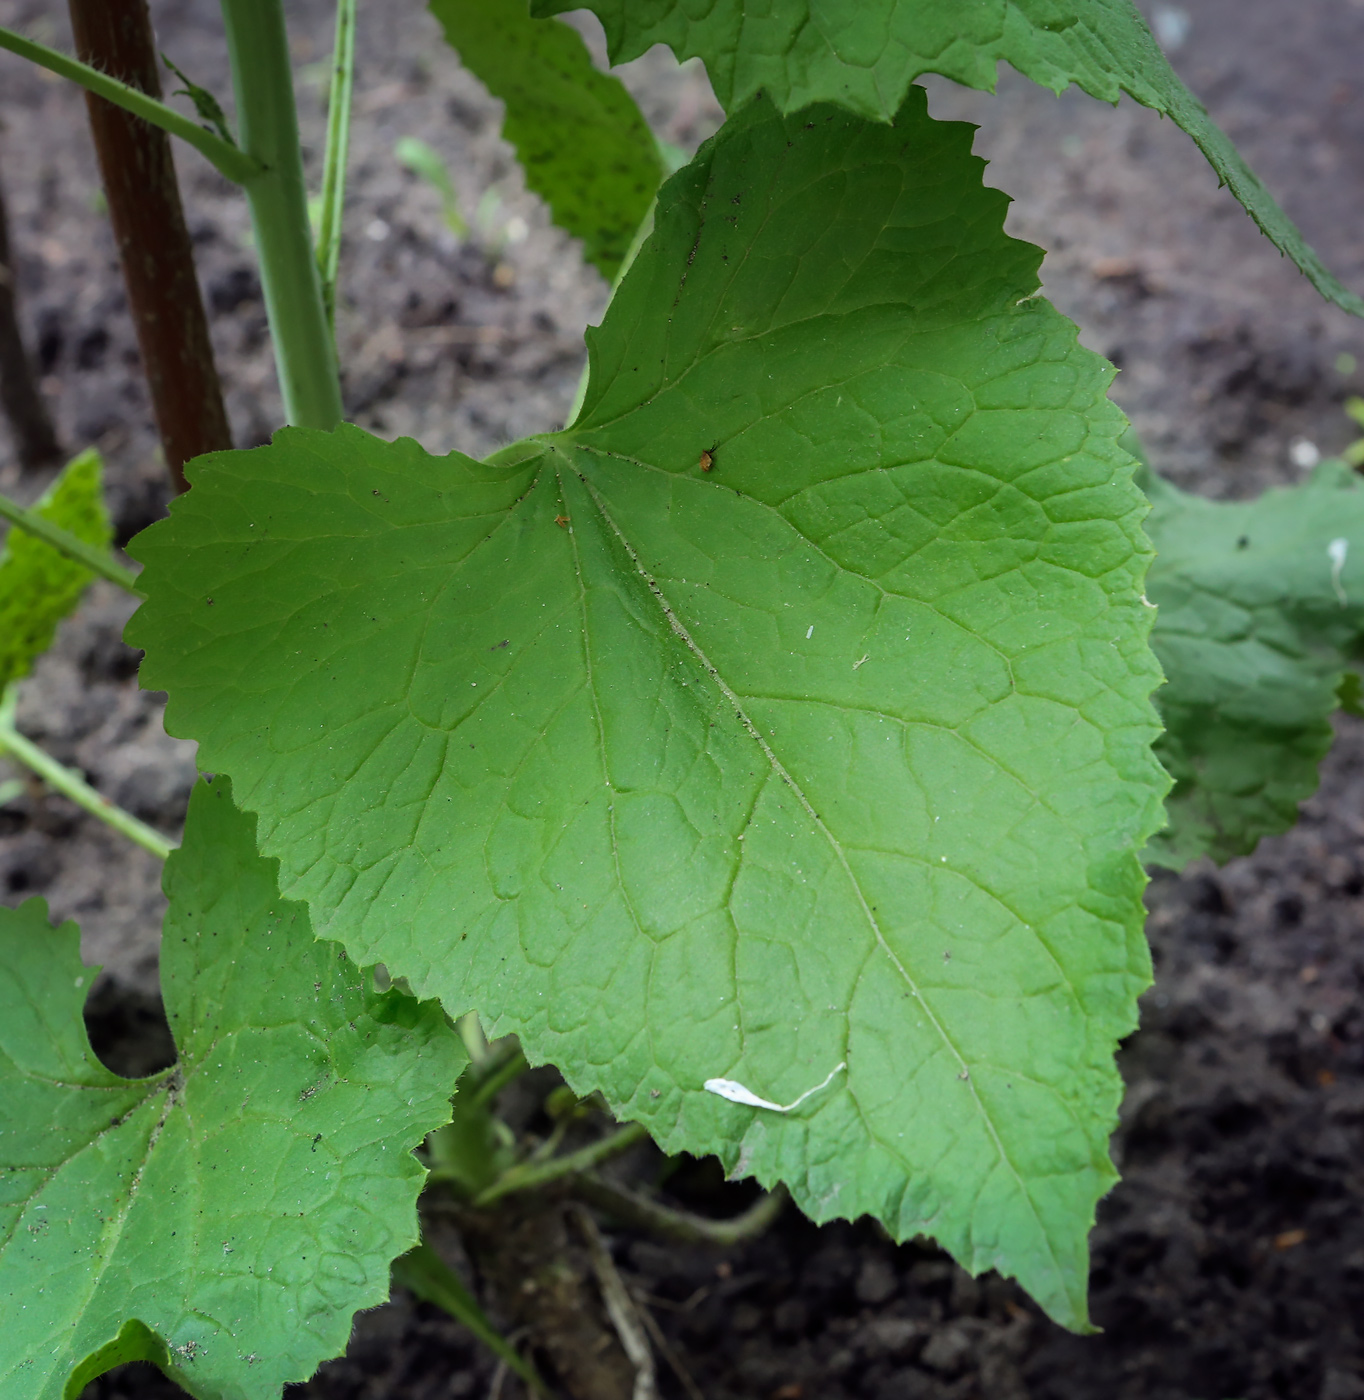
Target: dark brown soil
{"points": [[1229, 1264]]}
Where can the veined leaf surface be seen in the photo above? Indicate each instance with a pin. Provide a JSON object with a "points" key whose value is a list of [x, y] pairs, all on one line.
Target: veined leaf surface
{"points": [[1261, 611], [585, 148], [40, 587], [226, 1218], [834, 753], [863, 54]]}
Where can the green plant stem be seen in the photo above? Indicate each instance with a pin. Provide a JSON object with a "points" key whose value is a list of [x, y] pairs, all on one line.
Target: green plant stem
{"points": [[72, 785], [631, 1208], [267, 125], [338, 145], [475, 1042], [424, 1273], [498, 1075], [239, 167], [529, 1176], [64, 542]]}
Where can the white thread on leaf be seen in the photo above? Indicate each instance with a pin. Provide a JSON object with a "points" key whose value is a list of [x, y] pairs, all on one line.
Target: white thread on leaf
{"points": [[1336, 551], [735, 1092]]}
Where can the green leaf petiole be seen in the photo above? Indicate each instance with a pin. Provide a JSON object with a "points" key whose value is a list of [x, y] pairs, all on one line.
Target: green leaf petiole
{"points": [[98, 561], [227, 159], [70, 784]]}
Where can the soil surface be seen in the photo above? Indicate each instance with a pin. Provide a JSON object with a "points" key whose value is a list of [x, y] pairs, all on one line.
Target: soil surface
{"points": [[1229, 1263]]}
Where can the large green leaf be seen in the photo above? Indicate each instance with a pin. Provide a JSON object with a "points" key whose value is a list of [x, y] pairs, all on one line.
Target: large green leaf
{"points": [[834, 754], [863, 54], [38, 586], [585, 148], [226, 1218], [1261, 608]]}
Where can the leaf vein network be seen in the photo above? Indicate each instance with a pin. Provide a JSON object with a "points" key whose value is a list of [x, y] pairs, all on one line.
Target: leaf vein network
{"points": [[829, 559], [835, 846]]}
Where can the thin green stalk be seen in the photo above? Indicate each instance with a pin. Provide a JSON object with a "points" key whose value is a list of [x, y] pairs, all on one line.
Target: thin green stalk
{"points": [[72, 785], [424, 1273], [98, 561], [631, 1208], [267, 126], [496, 1077], [227, 159], [527, 1176], [471, 1033], [338, 145]]}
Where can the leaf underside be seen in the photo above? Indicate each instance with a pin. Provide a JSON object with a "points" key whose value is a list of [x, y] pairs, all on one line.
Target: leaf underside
{"points": [[834, 753], [584, 147], [40, 587], [863, 54], [223, 1219], [1261, 611]]}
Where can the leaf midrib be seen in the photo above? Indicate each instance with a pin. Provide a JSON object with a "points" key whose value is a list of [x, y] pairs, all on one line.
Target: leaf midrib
{"points": [[779, 770]]}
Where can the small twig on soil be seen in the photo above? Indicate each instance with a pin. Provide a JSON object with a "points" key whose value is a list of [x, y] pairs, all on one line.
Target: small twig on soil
{"points": [[693, 1390], [527, 1176], [35, 439], [499, 1375], [620, 1307], [154, 246], [633, 1209]]}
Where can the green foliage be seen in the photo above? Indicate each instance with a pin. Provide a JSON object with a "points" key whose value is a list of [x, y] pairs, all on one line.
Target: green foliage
{"points": [[205, 104], [224, 1218], [427, 1276], [581, 141], [1354, 453], [1261, 612], [38, 586], [834, 754], [425, 161], [863, 54]]}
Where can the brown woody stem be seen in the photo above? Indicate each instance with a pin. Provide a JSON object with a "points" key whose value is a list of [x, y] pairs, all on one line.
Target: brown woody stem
{"points": [[154, 247]]}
